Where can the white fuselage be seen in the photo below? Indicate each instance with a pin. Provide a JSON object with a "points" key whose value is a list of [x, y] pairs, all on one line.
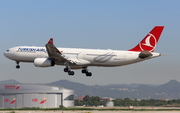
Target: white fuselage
{"points": [[83, 57]]}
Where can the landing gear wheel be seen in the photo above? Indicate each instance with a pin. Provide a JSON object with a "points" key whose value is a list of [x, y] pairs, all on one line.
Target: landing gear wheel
{"points": [[65, 69], [70, 72], [84, 71], [17, 66], [89, 74]]}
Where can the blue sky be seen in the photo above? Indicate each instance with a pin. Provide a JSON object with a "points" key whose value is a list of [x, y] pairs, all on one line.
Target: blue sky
{"points": [[104, 24]]}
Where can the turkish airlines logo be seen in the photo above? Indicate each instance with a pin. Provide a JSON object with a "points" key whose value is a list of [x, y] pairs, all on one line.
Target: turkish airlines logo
{"points": [[149, 43]]}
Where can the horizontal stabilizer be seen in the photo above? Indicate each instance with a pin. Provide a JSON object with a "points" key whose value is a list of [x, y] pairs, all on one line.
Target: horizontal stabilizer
{"points": [[144, 54]]}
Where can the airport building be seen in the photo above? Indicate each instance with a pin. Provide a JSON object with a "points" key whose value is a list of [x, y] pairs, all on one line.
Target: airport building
{"points": [[34, 95]]}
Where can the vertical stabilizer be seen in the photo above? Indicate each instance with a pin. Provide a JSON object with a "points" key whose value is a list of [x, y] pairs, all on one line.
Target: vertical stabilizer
{"points": [[150, 40]]}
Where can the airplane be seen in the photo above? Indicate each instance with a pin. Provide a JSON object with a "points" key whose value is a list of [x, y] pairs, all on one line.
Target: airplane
{"points": [[76, 58]]}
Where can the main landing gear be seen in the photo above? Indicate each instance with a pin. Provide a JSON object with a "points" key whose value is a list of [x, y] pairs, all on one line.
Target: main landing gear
{"points": [[85, 71], [17, 66], [68, 70]]}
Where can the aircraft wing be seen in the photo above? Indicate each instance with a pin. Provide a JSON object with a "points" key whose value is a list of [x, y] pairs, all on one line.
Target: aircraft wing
{"points": [[55, 54]]}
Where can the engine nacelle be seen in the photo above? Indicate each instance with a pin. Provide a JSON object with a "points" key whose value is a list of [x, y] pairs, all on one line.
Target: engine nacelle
{"points": [[43, 62]]}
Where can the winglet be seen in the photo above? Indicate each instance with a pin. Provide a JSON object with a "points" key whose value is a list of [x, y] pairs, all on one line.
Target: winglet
{"points": [[50, 41], [150, 40]]}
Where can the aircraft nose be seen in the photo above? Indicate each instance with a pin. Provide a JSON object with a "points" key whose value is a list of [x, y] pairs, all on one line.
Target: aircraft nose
{"points": [[7, 54]]}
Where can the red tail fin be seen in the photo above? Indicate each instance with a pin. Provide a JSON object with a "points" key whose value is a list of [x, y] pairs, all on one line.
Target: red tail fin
{"points": [[150, 40]]}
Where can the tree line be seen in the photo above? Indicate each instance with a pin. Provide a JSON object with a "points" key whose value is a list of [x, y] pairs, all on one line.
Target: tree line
{"points": [[96, 101]]}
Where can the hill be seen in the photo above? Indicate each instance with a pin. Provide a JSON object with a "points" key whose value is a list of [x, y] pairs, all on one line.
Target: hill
{"points": [[10, 81], [170, 90]]}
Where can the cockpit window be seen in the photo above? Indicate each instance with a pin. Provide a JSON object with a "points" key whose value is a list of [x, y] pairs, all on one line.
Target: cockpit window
{"points": [[8, 50]]}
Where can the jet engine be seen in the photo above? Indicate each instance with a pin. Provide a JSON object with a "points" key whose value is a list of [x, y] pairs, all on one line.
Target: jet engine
{"points": [[43, 62]]}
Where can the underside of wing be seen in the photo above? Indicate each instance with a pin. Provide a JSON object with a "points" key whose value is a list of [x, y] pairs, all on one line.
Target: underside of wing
{"points": [[54, 53]]}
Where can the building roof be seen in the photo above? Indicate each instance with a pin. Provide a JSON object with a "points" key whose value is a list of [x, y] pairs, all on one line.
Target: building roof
{"points": [[20, 88]]}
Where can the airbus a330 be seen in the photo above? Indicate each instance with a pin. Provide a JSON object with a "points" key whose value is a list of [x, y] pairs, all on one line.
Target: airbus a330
{"points": [[73, 58]]}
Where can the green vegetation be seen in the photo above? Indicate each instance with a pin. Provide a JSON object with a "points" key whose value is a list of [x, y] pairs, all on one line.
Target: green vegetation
{"points": [[90, 101], [143, 102], [96, 101], [123, 103]]}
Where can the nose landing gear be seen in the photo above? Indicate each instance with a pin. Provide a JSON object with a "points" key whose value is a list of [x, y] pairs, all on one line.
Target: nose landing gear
{"points": [[17, 66]]}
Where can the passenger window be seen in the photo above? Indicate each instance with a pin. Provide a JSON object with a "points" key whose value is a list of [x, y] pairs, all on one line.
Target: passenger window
{"points": [[7, 50]]}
